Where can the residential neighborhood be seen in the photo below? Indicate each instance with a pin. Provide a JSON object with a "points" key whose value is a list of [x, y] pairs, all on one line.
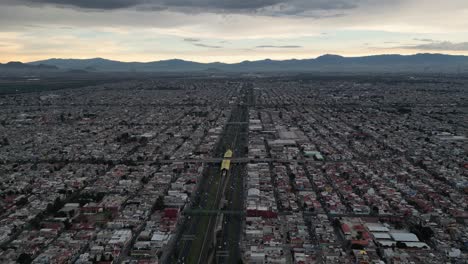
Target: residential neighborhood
{"points": [[323, 170]]}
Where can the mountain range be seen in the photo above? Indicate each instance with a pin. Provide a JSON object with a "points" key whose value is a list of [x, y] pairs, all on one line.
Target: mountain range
{"points": [[327, 63], [19, 65]]}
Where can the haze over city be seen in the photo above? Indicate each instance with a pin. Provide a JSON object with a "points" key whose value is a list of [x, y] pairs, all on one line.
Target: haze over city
{"points": [[228, 31]]}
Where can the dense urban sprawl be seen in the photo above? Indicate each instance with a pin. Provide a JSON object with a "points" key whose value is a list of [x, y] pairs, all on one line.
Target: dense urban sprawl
{"points": [[328, 170]]}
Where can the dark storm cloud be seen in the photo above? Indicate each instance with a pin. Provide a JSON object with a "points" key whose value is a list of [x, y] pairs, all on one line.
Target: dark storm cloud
{"points": [[218, 4], [278, 47], [286, 7], [91, 4]]}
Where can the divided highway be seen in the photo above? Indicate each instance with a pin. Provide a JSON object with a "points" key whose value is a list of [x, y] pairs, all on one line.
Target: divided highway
{"points": [[198, 240]]}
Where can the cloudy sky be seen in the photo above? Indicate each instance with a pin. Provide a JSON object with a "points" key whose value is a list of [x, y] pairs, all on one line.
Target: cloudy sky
{"points": [[228, 30]]}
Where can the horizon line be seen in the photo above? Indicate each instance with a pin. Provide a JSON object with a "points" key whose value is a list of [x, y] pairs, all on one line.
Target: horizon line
{"points": [[211, 62]]}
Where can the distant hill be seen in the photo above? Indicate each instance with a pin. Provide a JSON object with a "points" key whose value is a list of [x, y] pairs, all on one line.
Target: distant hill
{"points": [[16, 68], [16, 65], [99, 64], [326, 63]]}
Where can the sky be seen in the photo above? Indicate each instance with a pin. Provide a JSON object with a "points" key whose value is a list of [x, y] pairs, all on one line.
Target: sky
{"points": [[228, 30]]}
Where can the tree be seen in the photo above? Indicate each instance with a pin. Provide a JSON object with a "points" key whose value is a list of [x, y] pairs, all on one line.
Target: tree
{"points": [[36, 221], [425, 233], [50, 208], [61, 214], [359, 235], [357, 246], [144, 180], [400, 244], [159, 205], [67, 224], [57, 204], [24, 258], [375, 210], [22, 201], [34, 167]]}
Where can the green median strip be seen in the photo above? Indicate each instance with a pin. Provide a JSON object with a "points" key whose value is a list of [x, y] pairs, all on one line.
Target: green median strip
{"points": [[203, 224]]}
